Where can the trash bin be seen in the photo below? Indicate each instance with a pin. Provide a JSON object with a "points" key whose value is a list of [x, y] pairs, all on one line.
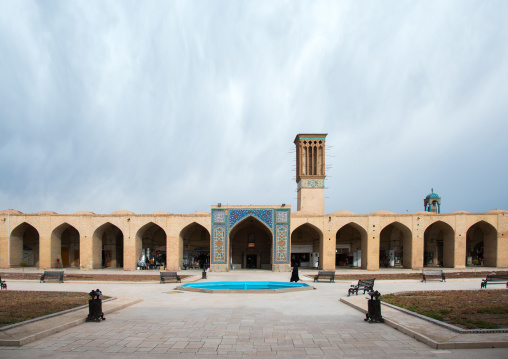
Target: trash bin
{"points": [[95, 313], [374, 308]]}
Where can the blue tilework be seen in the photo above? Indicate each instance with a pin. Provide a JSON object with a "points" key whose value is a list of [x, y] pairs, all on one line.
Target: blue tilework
{"points": [[264, 215]]}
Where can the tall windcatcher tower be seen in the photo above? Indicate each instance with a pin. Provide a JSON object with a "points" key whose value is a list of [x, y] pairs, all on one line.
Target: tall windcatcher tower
{"points": [[310, 172]]}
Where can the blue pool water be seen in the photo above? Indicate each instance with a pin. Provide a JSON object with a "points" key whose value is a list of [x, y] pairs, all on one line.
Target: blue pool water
{"points": [[244, 285]]}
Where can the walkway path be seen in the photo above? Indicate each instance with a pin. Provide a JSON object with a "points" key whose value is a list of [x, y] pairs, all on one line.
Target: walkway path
{"points": [[168, 323]]}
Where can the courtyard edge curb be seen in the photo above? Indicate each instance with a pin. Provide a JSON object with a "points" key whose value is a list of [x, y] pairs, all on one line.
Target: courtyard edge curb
{"points": [[422, 330], [30, 332]]}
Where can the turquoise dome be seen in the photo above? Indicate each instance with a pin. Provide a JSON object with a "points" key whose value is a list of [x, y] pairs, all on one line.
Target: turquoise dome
{"points": [[432, 195]]}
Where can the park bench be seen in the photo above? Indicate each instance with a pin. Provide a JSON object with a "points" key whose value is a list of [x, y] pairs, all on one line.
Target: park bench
{"points": [[52, 274], [433, 275], [495, 279], [3, 284], [166, 276], [367, 285], [325, 275]]}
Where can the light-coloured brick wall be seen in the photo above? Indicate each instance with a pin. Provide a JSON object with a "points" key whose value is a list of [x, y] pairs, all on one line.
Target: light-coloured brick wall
{"points": [[47, 228]]}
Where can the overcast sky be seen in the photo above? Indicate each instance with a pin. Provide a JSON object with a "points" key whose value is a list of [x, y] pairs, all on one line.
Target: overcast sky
{"points": [[177, 105]]}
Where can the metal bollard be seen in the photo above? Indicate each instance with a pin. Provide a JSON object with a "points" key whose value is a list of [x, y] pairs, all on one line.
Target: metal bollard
{"points": [[95, 313], [374, 308]]}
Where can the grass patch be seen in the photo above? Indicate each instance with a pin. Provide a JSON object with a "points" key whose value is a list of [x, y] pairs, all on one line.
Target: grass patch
{"points": [[18, 306], [468, 309]]}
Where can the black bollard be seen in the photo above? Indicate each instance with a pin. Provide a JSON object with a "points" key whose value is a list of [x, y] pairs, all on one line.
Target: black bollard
{"points": [[374, 308], [95, 313]]}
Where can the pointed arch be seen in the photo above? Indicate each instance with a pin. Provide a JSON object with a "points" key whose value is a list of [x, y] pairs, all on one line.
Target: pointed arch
{"points": [[65, 240], [107, 246], [24, 246], [481, 244], [250, 218], [307, 246], [439, 245], [351, 244], [194, 247], [150, 246], [395, 246], [250, 244]]}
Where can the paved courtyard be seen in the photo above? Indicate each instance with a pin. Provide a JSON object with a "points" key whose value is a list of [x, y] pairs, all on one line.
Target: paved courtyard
{"points": [[168, 323]]}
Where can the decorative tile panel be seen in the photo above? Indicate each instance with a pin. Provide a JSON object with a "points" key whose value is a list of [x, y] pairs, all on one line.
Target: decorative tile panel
{"points": [[281, 244], [219, 244], [282, 216], [277, 221], [311, 183], [264, 215], [219, 216]]}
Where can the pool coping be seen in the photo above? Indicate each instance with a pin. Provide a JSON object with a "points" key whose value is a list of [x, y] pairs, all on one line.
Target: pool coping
{"points": [[250, 291]]}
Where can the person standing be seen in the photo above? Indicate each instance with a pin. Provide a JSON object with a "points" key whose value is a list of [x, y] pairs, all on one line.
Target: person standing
{"points": [[294, 275]]}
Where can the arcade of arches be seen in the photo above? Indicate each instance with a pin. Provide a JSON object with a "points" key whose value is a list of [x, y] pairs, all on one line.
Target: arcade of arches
{"points": [[368, 242]]}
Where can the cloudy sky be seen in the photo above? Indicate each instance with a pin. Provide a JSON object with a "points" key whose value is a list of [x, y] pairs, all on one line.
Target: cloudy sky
{"points": [[177, 105]]}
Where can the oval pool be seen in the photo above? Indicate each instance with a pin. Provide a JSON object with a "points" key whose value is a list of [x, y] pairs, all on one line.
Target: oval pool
{"points": [[244, 287]]}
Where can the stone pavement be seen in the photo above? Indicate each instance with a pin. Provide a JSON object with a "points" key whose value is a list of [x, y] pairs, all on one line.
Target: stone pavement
{"points": [[169, 323]]}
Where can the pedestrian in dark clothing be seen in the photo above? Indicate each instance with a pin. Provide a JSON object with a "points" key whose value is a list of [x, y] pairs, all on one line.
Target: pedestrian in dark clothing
{"points": [[294, 275]]}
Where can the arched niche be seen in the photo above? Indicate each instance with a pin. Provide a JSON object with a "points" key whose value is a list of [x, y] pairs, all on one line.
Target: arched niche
{"points": [[439, 243], [150, 247], [307, 246], [251, 245], [24, 246], [395, 246], [65, 246], [350, 239], [108, 247], [194, 247], [481, 245]]}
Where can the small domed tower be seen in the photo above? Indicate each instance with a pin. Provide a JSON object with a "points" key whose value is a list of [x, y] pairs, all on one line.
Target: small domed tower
{"points": [[432, 202]]}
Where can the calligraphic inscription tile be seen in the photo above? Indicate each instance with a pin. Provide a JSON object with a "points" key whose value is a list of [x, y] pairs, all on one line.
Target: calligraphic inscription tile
{"points": [[282, 216], [219, 216]]}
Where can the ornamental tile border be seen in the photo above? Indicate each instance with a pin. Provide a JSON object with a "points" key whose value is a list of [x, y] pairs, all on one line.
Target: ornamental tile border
{"points": [[277, 221], [311, 183], [264, 215]]}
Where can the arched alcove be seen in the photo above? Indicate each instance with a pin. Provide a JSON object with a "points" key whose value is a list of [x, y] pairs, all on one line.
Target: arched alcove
{"points": [[438, 245], [24, 246], [481, 245], [349, 240], [108, 247], [150, 247], [307, 246], [194, 247], [251, 245], [395, 246], [65, 246]]}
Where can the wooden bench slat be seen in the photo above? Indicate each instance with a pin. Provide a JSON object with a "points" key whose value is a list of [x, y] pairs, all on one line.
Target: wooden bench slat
{"points": [[52, 275], [433, 274], [325, 275], [494, 279], [365, 284]]}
